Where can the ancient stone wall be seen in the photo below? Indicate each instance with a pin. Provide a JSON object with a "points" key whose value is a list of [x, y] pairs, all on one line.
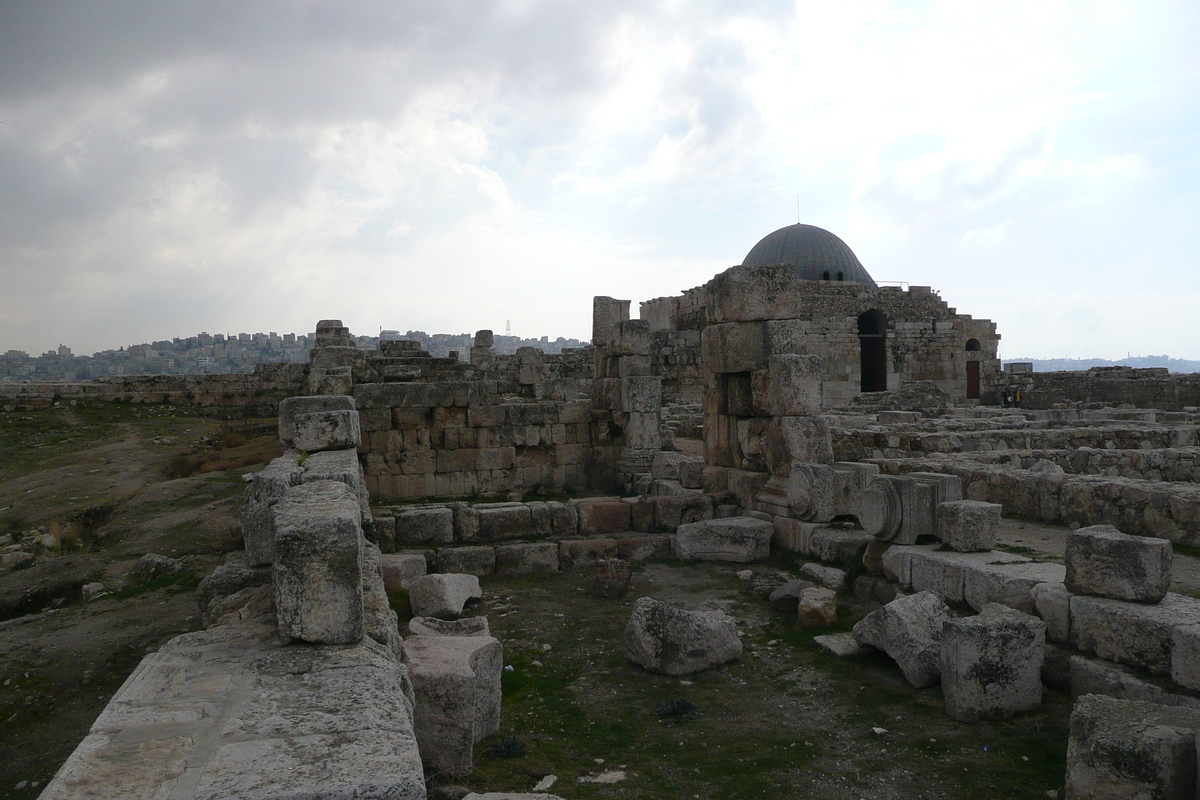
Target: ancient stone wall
{"points": [[260, 391], [777, 312], [1142, 388]]}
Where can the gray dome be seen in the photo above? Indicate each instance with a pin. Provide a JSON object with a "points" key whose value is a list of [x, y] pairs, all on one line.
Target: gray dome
{"points": [[813, 251]]}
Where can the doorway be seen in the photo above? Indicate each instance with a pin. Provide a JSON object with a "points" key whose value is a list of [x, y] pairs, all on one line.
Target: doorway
{"points": [[872, 337]]}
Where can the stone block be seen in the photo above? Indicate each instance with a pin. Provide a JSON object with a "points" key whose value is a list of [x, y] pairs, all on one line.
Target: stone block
{"points": [[641, 395], [602, 517], [791, 534], [794, 385], [1052, 602], [839, 644], [443, 595], [642, 548], [838, 546], [290, 407], [992, 664], [825, 576], [456, 680], [500, 521], [737, 539], [1104, 562], [577, 553], [817, 607], [1122, 749], [812, 491], [968, 526], [1185, 655], [909, 629], [797, 439], [432, 626], [326, 430], [479, 560], [786, 597], [1136, 634], [642, 431], [733, 347], [318, 564], [633, 338], [879, 509], [1008, 584], [266, 487], [671, 512], [1097, 676], [400, 569], [672, 641], [526, 559], [416, 525]]}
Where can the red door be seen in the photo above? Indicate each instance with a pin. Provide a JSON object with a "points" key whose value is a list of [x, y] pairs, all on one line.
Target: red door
{"points": [[972, 380]]}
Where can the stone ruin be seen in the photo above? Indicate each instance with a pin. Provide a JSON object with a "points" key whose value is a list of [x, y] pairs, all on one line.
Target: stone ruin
{"points": [[796, 408]]}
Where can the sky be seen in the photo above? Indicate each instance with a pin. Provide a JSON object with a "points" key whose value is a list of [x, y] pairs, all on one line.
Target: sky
{"points": [[447, 166]]}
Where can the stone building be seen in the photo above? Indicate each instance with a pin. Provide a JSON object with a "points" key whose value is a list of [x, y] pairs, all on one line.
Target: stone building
{"points": [[801, 290]]}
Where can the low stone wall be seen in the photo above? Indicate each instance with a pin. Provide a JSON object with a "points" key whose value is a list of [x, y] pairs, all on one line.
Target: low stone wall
{"points": [[1143, 388], [1172, 465], [259, 391]]}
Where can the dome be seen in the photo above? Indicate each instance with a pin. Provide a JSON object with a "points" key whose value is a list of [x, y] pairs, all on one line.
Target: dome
{"points": [[815, 252]]}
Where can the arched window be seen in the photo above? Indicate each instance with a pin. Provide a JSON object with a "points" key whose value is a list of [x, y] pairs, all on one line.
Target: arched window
{"points": [[872, 334], [825, 275], [973, 346], [839, 276]]}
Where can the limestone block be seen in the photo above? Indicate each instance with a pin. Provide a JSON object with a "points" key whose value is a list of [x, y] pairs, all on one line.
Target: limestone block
{"points": [[1052, 602], [1009, 584], [672, 641], [266, 487], [792, 439], [642, 548], [918, 509], [326, 430], [794, 385], [897, 565], [968, 526], [498, 521], [671, 512], [909, 629], [432, 626], [733, 347], [478, 560], [642, 431], [231, 578], [601, 517], [318, 564], [992, 664], [335, 465], [1103, 561], [379, 620], [817, 607], [416, 525], [634, 366], [786, 597], [1136, 634], [633, 338], [1097, 676], [400, 569], [737, 539], [641, 394], [791, 534], [691, 473], [290, 407], [456, 680], [879, 509], [1185, 655], [838, 546], [526, 559], [755, 293], [442, 595], [1121, 749], [484, 338], [822, 575], [564, 521], [576, 553], [511, 796], [947, 489], [839, 644], [812, 491], [607, 314]]}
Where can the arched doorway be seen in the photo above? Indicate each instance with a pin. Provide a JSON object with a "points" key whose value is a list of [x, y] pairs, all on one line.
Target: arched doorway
{"points": [[973, 371], [872, 337]]}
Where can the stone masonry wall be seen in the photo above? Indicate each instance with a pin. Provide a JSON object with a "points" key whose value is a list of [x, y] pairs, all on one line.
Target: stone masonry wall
{"points": [[1143, 388]]}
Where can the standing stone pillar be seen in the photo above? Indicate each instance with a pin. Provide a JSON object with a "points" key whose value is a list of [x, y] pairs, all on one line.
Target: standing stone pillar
{"points": [[482, 353]]}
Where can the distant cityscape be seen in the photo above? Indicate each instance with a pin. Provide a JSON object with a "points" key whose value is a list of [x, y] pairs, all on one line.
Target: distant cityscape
{"points": [[1138, 362], [207, 353]]}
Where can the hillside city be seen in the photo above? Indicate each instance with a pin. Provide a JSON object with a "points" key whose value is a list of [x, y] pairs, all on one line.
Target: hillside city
{"points": [[233, 353]]}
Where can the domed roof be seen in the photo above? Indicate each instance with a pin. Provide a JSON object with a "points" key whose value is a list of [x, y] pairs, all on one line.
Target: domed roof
{"points": [[815, 252]]}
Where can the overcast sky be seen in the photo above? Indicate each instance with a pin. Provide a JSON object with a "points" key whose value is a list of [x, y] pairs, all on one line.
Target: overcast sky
{"points": [[172, 167]]}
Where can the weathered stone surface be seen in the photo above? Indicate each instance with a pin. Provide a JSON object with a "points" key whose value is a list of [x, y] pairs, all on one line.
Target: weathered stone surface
{"points": [[838, 546], [641, 548], [1121, 749], [612, 577], [1097, 676], [1007, 584], [992, 664], [266, 487], [968, 526], [424, 525], [432, 626], [737, 539], [671, 512], [794, 386], [500, 521], [825, 576], [477, 560], [1103, 561], [290, 407], [318, 564], [786, 596], [909, 629], [797, 439], [511, 796], [526, 559], [152, 566], [442, 595], [326, 430], [1137, 634], [817, 607], [577, 553], [839, 644], [1185, 655], [335, 465], [400, 569], [320, 722], [456, 680], [1052, 602], [602, 517], [672, 641]]}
